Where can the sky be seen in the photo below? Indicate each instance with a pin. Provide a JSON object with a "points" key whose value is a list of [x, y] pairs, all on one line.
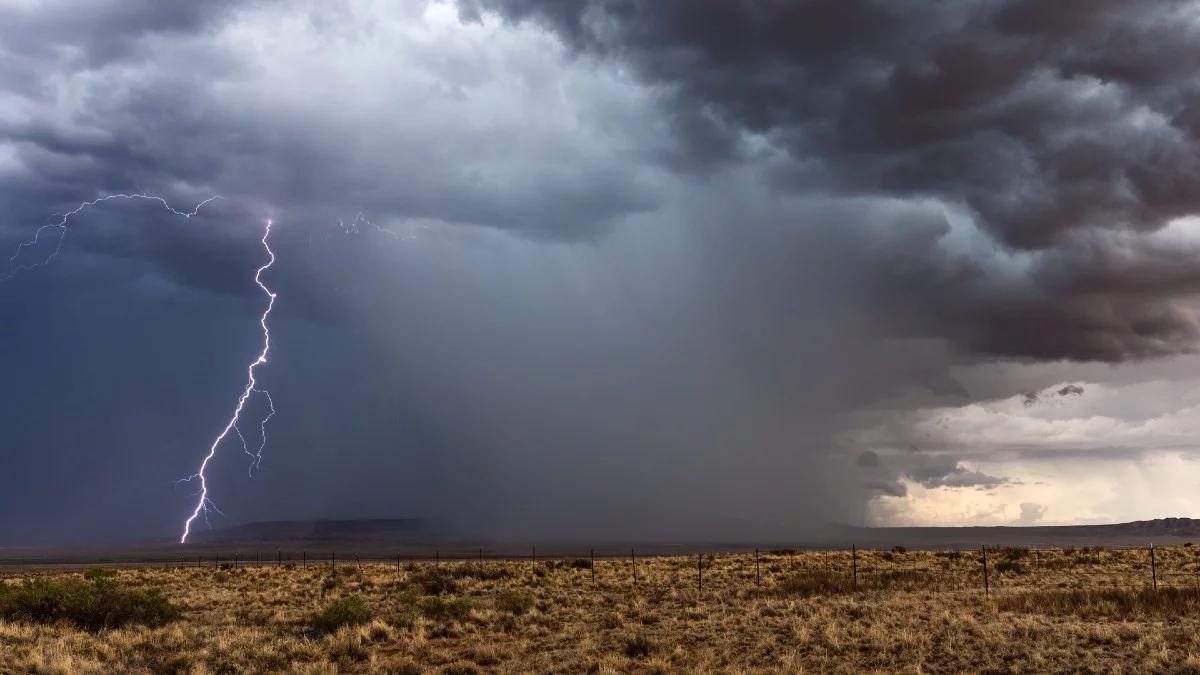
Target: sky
{"points": [[673, 270]]}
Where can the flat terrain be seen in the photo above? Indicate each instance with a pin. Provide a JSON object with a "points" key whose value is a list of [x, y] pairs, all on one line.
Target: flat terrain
{"points": [[1061, 610]]}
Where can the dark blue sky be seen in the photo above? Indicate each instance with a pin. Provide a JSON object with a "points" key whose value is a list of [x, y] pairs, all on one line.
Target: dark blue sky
{"points": [[665, 269]]}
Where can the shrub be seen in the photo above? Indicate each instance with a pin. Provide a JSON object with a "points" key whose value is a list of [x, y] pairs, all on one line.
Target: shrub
{"points": [[637, 646], [899, 549], [581, 564], [444, 608], [1008, 566], [329, 584], [435, 581], [351, 610], [99, 574], [95, 603], [485, 572], [514, 600], [1014, 552]]}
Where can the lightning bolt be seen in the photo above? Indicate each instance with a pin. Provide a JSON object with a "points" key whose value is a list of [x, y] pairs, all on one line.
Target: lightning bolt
{"points": [[57, 233], [63, 224], [355, 227], [203, 503]]}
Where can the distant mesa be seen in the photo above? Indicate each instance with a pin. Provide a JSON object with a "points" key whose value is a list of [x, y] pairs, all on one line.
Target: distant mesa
{"points": [[1175, 527]]}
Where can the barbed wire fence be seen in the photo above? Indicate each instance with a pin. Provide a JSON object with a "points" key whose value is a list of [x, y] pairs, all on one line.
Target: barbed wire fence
{"points": [[986, 570]]}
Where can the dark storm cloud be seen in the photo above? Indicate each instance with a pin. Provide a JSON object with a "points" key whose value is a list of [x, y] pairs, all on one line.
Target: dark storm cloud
{"points": [[591, 376], [868, 458], [1053, 123], [947, 472], [1032, 398], [645, 306], [930, 470], [1071, 390], [114, 96], [99, 32]]}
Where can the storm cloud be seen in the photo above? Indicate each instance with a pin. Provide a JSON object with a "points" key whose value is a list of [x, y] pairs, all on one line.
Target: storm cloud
{"points": [[1053, 127], [668, 269]]}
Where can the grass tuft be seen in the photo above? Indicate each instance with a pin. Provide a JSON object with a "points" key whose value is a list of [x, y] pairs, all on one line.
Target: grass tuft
{"points": [[807, 584], [1114, 602], [351, 610]]}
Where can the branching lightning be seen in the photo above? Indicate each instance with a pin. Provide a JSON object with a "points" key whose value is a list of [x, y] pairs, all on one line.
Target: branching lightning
{"points": [[203, 503], [356, 225], [61, 226], [58, 231]]}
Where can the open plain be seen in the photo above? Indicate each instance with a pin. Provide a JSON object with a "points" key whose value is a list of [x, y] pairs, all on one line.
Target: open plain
{"points": [[1087, 609]]}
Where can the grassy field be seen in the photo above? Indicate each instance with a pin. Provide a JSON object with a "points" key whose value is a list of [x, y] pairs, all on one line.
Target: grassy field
{"points": [[1076, 610]]}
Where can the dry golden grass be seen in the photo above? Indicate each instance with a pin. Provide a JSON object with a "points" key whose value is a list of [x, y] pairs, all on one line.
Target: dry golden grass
{"points": [[1086, 610]]}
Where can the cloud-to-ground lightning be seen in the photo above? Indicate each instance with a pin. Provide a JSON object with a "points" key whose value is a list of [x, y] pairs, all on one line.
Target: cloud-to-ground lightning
{"points": [[203, 503], [58, 231], [61, 226]]}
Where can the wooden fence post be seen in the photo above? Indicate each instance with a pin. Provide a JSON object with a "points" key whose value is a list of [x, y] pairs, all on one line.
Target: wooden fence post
{"points": [[633, 560], [1153, 569], [700, 572], [592, 557], [986, 590], [333, 561], [854, 566], [304, 558], [757, 573]]}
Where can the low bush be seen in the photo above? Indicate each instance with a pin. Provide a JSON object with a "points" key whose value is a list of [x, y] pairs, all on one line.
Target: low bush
{"points": [[351, 610], [1014, 552], [638, 647], [514, 601], [95, 603], [434, 581], [99, 574], [443, 608], [1009, 566]]}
